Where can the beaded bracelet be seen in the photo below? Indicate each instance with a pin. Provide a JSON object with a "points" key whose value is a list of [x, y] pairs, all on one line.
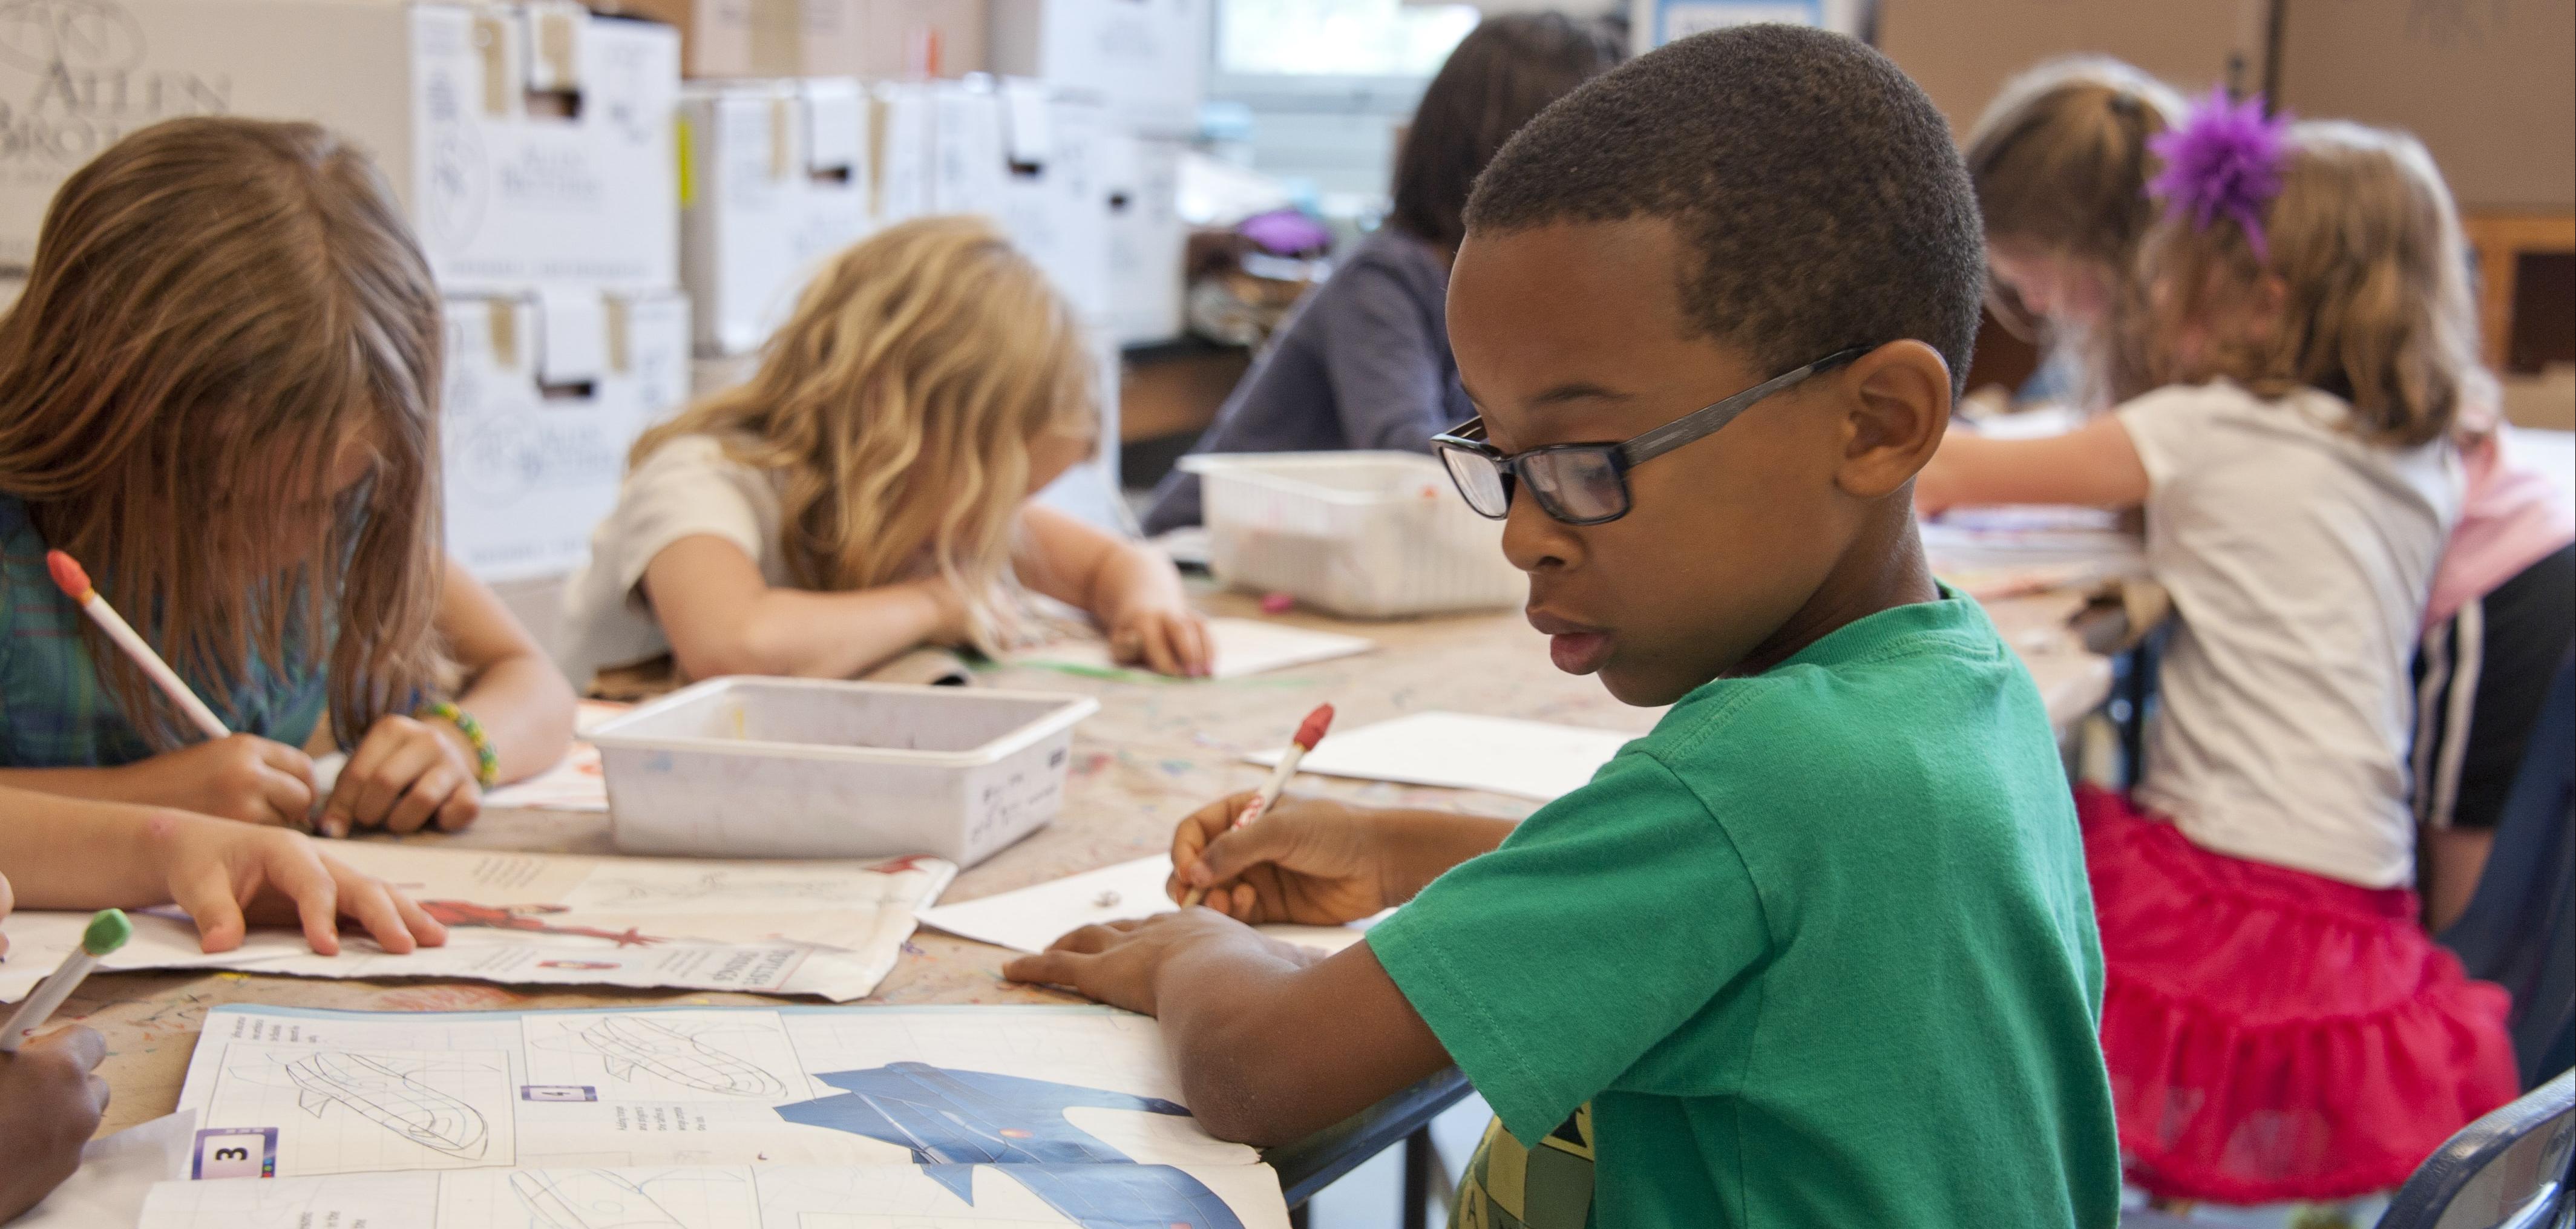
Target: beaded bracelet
{"points": [[487, 762]]}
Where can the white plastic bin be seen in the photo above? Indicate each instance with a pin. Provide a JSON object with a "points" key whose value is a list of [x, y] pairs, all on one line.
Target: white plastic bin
{"points": [[810, 768], [1367, 534]]}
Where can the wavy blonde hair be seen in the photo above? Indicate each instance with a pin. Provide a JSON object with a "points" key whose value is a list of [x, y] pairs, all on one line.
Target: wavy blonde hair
{"points": [[2061, 164], [217, 307], [2376, 309], [899, 402]]}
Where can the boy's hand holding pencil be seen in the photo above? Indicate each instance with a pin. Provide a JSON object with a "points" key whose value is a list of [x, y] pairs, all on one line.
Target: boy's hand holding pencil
{"points": [[1312, 861]]}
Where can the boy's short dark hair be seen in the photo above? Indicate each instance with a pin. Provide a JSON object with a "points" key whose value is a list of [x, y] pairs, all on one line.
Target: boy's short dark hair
{"points": [[1816, 187]]}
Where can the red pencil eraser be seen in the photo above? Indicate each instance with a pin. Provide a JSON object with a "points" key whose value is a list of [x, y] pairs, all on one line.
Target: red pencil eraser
{"points": [[68, 574], [1316, 723]]}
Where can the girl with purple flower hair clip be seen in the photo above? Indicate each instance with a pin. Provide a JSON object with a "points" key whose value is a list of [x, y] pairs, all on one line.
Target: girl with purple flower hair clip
{"points": [[2277, 1023]]}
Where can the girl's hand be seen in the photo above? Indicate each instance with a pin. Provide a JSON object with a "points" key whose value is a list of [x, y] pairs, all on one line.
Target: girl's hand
{"points": [[405, 774], [1165, 639], [227, 876], [949, 623], [1312, 861], [242, 777]]}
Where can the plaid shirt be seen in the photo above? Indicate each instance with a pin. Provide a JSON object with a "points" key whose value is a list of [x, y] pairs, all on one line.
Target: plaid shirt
{"points": [[53, 711]]}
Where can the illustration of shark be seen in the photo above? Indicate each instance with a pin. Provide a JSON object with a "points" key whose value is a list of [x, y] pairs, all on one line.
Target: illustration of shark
{"points": [[632, 1042], [955, 1120], [390, 1099]]}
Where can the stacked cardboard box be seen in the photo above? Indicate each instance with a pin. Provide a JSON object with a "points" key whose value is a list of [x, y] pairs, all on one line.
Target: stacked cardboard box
{"points": [[1144, 64], [774, 179], [892, 39], [531, 146]]}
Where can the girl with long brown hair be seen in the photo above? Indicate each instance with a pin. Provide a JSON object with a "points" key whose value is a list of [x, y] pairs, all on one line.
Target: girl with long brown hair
{"points": [[219, 392], [868, 490]]}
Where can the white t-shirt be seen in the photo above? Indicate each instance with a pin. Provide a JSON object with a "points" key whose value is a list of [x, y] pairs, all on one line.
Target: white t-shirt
{"points": [[2299, 558], [686, 487]]}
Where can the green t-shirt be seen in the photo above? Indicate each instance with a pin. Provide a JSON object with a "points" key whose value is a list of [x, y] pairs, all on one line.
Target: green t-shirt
{"points": [[1818, 951]]}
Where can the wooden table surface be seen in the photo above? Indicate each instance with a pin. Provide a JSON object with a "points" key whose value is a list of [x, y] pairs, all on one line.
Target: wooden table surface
{"points": [[1156, 751]]}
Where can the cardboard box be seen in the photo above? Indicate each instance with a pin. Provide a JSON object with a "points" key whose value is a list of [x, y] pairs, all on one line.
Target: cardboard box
{"points": [[1055, 204], [1146, 60], [716, 36], [775, 182], [902, 125], [967, 172], [529, 144], [895, 39], [544, 395], [1962, 51], [2490, 88], [1147, 241]]}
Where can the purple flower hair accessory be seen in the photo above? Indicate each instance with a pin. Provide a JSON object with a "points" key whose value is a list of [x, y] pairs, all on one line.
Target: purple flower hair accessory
{"points": [[2224, 161]]}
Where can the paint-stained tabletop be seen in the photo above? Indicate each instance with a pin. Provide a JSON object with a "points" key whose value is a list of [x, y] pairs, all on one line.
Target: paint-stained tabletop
{"points": [[1155, 751]]}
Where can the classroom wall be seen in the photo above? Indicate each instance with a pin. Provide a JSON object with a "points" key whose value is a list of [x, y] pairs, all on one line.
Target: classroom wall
{"points": [[2489, 85], [1962, 51]]}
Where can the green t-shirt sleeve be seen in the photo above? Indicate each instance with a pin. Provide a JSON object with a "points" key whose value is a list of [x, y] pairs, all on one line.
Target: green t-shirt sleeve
{"points": [[1551, 965]]}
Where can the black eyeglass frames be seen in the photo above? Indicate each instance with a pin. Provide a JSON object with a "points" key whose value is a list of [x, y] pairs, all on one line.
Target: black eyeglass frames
{"points": [[1587, 484]]}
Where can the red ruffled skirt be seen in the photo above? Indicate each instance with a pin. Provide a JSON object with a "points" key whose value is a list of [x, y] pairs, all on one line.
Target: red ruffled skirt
{"points": [[2275, 1035]]}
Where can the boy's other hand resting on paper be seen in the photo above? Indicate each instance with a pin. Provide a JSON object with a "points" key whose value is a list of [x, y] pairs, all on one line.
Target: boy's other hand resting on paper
{"points": [[50, 1102]]}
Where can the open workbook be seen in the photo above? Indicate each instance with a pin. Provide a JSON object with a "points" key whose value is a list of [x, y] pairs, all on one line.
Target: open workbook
{"points": [[700, 1118]]}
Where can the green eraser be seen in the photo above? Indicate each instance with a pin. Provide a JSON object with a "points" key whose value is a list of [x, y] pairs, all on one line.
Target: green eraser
{"points": [[108, 931]]}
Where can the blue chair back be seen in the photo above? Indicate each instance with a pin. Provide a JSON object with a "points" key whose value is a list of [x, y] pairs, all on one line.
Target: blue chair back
{"points": [[2508, 1170], [2520, 927]]}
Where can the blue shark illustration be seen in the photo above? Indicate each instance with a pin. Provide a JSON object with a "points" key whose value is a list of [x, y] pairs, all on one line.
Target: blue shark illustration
{"points": [[955, 1120]]}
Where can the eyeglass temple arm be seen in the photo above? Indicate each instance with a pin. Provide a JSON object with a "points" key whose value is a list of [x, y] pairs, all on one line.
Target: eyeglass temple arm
{"points": [[1699, 425]]}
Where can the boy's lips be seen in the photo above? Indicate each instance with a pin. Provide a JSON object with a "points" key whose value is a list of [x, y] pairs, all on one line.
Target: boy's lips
{"points": [[1576, 648]]}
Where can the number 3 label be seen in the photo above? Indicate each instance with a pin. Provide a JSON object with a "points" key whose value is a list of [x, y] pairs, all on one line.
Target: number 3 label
{"points": [[236, 1152]]}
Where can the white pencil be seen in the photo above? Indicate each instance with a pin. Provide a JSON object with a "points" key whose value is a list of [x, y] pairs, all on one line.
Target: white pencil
{"points": [[74, 580], [107, 931], [1309, 732]]}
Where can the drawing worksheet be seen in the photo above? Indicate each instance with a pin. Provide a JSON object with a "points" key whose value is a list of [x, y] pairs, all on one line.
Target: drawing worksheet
{"points": [[828, 929], [708, 1118]]}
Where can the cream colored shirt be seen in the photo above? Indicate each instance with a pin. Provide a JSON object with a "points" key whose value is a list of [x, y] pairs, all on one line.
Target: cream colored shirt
{"points": [[686, 487], [2299, 557]]}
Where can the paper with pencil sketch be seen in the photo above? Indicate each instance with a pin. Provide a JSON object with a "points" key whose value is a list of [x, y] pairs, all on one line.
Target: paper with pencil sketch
{"points": [[1528, 759], [828, 929], [1035, 916], [1243, 646], [1015, 1196], [705, 1117]]}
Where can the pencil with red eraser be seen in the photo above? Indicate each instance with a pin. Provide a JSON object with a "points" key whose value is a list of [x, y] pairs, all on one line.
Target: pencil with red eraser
{"points": [[1309, 732], [74, 581]]}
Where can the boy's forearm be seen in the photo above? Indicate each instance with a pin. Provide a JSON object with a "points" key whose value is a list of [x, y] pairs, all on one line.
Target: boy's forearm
{"points": [[1272, 1049], [1416, 847]]}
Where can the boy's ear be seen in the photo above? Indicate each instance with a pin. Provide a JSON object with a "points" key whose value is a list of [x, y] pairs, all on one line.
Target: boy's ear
{"points": [[1898, 404]]}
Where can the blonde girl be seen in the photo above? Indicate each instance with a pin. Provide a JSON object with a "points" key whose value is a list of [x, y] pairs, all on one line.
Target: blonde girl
{"points": [[2277, 1024], [2061, 161], [219, 392], [868, 490]]}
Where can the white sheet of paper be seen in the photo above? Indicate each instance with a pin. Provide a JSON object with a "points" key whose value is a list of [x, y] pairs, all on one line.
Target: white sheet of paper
{"points": [[829, 929], [575, 783], [1243, 646], [1527, 759], [372, 1093], [115, 1175], [1017, 1196], [1032, 917]]}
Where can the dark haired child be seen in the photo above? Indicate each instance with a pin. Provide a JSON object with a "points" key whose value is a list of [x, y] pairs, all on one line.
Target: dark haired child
{"points": [[1818, 950], [1364, 362]]}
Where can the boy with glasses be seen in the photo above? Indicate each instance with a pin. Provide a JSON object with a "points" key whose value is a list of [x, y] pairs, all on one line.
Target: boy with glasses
{"points": [[1819, 949]]}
